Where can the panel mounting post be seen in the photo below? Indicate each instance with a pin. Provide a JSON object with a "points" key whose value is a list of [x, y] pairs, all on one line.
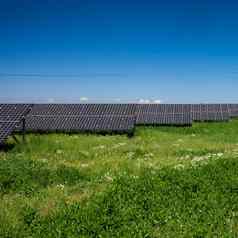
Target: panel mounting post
{"points": [[24, 129]]}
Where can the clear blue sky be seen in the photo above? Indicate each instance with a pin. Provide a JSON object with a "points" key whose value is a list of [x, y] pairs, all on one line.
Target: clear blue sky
{"points": [[174, 51]]}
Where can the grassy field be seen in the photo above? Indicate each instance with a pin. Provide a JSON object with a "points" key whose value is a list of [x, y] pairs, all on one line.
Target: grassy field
{"points": [[163, 182]]}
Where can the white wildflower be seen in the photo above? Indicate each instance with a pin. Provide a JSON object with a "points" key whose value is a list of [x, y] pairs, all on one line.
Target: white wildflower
{"points": [[59, 152], [199, 158], [60, 186], [109, 178], [84, 165], [19, 154], [179, 166], [130, 155], [100, 147], [148, 156], [122, 144], [118, 145], [207, 156]]}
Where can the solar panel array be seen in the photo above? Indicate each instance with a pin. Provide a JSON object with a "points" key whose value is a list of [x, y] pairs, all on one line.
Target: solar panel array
{"points": [[210, 112], [11, 116], [118, 118], [163, 114]]}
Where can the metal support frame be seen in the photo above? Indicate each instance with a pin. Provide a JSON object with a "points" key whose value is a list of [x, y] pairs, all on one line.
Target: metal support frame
{"points": [[15, 138], [24, 130]]}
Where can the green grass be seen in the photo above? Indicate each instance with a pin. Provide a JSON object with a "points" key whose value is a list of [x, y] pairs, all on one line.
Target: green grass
{"points": [[163, 182]]}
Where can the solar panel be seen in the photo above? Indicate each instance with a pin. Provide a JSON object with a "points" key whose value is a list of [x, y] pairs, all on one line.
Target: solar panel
{"points": [[83, 109], [165, 119], [12, 112], [210, 112], [163, 114], [10, 116], [81, 117], [87, 123], [6, 129], [233, 110]]}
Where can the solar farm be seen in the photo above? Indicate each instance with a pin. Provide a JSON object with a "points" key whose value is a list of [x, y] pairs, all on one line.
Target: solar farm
{"points": [[106, 118], [118, 170]]}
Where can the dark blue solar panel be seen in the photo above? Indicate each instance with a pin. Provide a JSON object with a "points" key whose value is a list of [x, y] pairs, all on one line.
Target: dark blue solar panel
{"points": [[164, 114], [80, 123], [10, 116], [83, 109], [210, 112], [82, 117], [164, 119], [233, 110]]}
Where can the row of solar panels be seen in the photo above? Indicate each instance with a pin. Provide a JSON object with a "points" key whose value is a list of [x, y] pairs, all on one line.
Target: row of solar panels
{"points": [[132, 109], [103, 124], [138, 114], [120, 118]]}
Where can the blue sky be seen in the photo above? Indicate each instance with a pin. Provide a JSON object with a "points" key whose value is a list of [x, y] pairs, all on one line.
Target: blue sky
{"points": [[173, 51]]}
